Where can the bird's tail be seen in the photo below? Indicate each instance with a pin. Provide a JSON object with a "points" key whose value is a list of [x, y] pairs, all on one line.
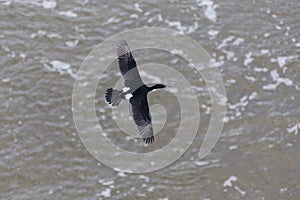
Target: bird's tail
{"points": [[112, 97]]}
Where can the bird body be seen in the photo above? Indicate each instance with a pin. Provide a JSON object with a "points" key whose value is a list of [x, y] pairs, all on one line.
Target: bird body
{"points": [[135, 91]]}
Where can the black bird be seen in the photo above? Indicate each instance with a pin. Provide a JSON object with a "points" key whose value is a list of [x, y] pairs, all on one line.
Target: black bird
{"points": [[135, 91]]}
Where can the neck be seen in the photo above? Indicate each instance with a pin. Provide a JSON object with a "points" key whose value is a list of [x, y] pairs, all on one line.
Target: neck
{"points": [[156, 86]]}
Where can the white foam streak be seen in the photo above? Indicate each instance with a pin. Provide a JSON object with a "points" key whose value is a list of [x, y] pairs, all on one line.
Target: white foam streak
{"points": [[61, 67], [278, 80], [294, 129], [68, 13], [249, 59], [228, 182], [49, 4], [225, 42], [282, 60], [106, 193], [183, 29]]}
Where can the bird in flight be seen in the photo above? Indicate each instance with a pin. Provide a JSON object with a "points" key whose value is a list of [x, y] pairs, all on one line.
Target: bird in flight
{"points": [[135, 91]]}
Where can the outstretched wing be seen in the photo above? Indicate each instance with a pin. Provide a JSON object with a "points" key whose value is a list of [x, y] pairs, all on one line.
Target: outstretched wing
{"points": [[127, 66], [142, 117]]}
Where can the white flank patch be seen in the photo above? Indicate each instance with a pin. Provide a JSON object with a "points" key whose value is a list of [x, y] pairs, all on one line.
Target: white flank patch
{"points": [[125, 89], [128, 96]]}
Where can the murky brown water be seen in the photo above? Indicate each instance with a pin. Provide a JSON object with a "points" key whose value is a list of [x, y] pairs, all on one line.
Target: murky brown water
{"points": [[256, 45]]}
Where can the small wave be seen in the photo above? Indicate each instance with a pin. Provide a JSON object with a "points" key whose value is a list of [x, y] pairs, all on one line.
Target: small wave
{"points": [[49, 4], [282, 60], [68, 13], [249, 59], [210, 9], [137, 7], [230, 183], [213, 33], [111, 20], [225, 42], [61, 67], [106, 193], [181, 28], [294, 129]]}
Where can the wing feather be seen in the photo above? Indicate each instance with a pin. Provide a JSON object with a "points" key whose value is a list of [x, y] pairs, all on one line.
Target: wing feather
{"points": [[142, 118], [127, 66]]}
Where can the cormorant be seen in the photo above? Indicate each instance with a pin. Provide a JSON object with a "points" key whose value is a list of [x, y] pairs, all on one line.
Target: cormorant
{"points": [[135, 91]]}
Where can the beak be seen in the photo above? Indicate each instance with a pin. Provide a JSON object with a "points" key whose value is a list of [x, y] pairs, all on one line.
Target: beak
{"points": [[171, 89]]}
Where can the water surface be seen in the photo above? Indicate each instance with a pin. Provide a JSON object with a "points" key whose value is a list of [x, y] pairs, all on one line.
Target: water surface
{"points": [[256, 45]]}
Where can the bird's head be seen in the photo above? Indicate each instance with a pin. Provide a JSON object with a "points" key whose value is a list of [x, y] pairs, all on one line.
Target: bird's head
{"points": [[157, 86]]}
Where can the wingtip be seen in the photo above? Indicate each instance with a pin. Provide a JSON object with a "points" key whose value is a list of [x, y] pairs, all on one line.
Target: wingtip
{"points": [[121, 41], [122, 47], [149, 140], [108, 94]]}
